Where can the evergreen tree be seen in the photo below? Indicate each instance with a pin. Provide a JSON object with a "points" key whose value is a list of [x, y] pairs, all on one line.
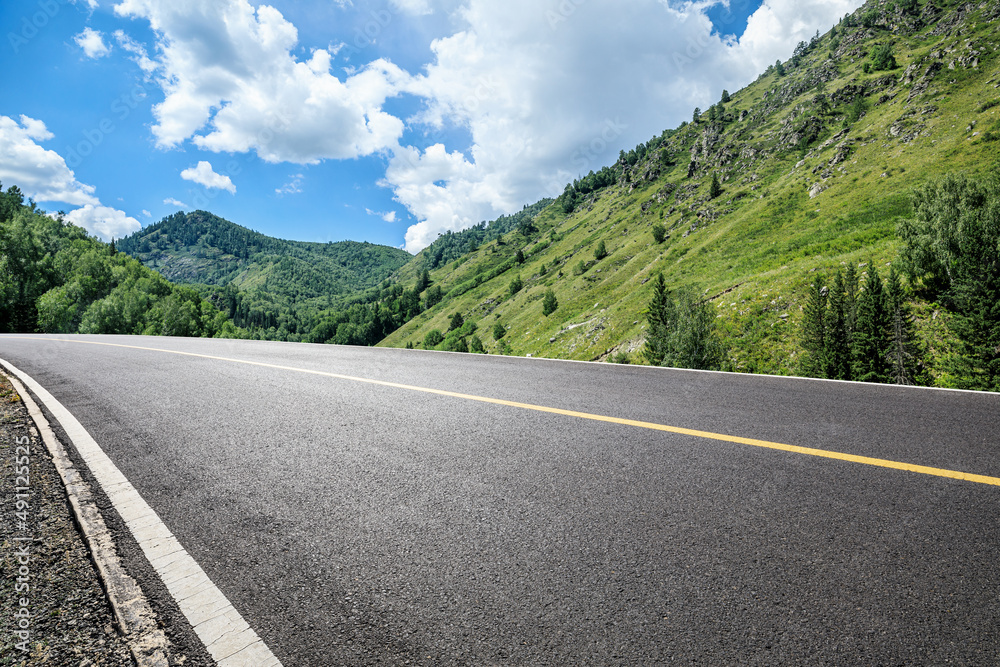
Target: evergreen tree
{"points": [[871, 332], [837, 340], [499, 331], [696, 115], [904, 354], [476, 345], [456, 322], [725, 96], [779, 68], [715, 189], [423, 282], [519, 256], [660, 317], [549, 303], [814, 323], [601, 251]]}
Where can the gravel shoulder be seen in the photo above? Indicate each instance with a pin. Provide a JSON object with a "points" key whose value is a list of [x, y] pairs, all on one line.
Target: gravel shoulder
{"points": [[53, 610]]}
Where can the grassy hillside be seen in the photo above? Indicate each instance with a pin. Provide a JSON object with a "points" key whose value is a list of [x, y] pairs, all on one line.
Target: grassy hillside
{"points": [[816, 161], [263, 282]]}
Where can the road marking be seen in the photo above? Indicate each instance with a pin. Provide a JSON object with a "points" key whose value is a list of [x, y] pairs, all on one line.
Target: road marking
{"points": [[795, 449], [226, 635]]}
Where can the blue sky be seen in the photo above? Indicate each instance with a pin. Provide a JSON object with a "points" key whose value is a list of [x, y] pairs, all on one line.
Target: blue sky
{"points": [[388, 121]]}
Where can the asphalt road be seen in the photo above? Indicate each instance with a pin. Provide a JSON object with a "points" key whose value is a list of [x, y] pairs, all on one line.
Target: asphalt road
{"points": [[355, 523]]}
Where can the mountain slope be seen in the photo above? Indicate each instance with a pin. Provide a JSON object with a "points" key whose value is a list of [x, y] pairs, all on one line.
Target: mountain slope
{"points": [[815, 160]]}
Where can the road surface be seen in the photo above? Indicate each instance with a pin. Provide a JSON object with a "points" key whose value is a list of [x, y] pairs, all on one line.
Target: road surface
{"points": [[372, 506]]}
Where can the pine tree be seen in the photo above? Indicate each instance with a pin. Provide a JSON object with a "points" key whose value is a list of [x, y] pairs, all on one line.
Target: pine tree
{"points": [[696, 115], [903, 351], [456, 322], [601, 251], [715, 189], [814, 363], [871, 332], [725, 96], [549, 303], [519, 256], [837, 335], [423, 282], [660, 317]]}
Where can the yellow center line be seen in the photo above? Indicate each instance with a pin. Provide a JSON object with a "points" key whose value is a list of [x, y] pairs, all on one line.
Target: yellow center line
{"points": [[809, 451]]}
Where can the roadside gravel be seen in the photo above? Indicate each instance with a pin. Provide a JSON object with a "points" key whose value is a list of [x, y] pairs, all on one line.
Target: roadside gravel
{"points": [[53, 610]]}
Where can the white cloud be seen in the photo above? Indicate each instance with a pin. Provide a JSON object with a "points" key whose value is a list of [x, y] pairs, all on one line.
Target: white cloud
{"points": [[292, 187], [388, 216], [39, 173], [147, 213], [138, 51], [232, 84], [92, 43], [778, 25], [175, 202], [106, 222], [204, 175]]}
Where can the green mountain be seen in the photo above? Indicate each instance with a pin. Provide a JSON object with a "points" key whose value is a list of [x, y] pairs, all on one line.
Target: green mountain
{"points": [[263, 282], [806, 171]]}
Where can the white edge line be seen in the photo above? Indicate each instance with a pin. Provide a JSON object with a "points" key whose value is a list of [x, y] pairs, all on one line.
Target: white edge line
{"points": [[218, 625]]}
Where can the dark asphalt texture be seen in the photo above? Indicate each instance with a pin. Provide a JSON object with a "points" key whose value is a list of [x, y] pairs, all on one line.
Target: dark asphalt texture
{"points": [[354, 524]]}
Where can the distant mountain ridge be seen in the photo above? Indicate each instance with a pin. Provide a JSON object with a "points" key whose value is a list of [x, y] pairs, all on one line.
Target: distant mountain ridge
{"points": [[263, 281], [200, 247]]}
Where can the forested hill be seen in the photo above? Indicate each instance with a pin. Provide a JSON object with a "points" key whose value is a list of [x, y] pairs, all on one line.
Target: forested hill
{"points": [[203, 248], [54, 278]]}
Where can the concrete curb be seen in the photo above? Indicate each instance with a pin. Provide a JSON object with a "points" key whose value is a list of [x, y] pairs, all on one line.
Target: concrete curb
{"points": [[135, 617], [227, 637]]}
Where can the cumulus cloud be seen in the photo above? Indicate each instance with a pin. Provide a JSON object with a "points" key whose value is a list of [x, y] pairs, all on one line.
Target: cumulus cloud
{"points": [[92, 43], [38, 172], [103, 221], [232, 84], [204, 175]]}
